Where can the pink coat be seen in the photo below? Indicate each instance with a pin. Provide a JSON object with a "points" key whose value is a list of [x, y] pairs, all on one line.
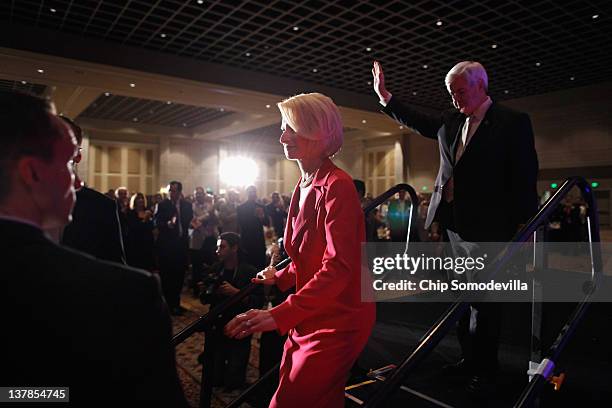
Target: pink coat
{"points": [[328, 324]]}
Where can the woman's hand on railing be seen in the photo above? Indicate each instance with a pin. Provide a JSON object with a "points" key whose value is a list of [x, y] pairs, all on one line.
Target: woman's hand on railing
{"points": [[266, 277], [250, 322]]}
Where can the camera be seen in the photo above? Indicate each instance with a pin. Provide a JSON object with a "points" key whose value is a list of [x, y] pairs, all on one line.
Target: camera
{"points": [[208, 288]]}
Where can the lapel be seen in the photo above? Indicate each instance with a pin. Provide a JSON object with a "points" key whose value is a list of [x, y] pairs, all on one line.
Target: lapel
{"points": [[300, 218], [457, 136], [484, 130], [448, 140]]}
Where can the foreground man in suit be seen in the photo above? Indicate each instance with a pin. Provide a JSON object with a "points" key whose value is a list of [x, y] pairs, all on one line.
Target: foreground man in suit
{"points": [[484, 191], [70, 320]]}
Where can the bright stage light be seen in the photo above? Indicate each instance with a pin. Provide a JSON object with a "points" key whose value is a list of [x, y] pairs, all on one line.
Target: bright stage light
{"points": [[238, 171]]}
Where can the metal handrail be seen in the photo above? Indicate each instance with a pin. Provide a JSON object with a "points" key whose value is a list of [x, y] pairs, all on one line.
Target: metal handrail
{"points": [[532, 390], [435, 334], [216, 313], [245, 394], [390, 193]]}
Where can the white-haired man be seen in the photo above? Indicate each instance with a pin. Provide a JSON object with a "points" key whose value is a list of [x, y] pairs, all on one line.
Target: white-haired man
{"points": [[485, 188]]}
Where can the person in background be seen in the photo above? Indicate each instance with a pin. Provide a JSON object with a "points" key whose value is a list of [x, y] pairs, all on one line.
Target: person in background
{"points": [[172, 219], [95, 228], [203, 240], [226, 359], [228, 214], [251, 221], [277, 213], [140, 241], [398, 216]]}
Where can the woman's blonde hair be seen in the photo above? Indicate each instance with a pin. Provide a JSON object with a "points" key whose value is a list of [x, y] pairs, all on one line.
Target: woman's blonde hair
{"points": [[314, 116]]}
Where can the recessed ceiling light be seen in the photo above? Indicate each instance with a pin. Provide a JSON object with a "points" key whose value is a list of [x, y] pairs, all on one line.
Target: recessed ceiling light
{"points": [[24, 82], [506, 91], [401, 127], [52, 10], [537, 64], [40, 71], [572, 78], [425, 66], [184, 125], [315, 70], [168, 102], [106, 93], [296, 28], [135, 119], [414, 93], [200, 1], [163, 35], [494, 46], [364, 121], [267, 106], [439, 23], [595, 16], [368, 49], [222, 109], [132, 85], [369, 82], [248, 54]]}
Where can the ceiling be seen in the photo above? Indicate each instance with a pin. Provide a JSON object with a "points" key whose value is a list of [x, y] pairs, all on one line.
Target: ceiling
{"points": [[528, 47], [139, 110], [24, 86]]}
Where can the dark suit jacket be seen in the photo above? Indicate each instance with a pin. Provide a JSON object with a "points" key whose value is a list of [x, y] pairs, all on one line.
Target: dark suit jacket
{"points": [[95, 227], [169, 241], [252, 240], [98, 327], [495, 179]]}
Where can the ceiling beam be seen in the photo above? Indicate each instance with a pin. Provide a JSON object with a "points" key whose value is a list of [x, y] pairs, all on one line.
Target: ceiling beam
{"points": [[71, 100], [115, 126], [234, 124]]}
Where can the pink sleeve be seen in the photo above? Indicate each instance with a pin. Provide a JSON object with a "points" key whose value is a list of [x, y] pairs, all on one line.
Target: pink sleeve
{"points": [[343, 233], [285, 278]]}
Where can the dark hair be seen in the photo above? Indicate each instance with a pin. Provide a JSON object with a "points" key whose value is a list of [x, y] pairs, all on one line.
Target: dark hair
{"points": [[178, 184], [27, 130], [231, 238], [76, 129]]}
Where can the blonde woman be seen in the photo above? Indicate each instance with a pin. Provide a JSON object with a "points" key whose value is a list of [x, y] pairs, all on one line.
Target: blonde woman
{"points": [[327, 322]]}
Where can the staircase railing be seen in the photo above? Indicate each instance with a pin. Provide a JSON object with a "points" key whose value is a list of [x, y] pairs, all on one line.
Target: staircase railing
{"points": [[433, 336]]}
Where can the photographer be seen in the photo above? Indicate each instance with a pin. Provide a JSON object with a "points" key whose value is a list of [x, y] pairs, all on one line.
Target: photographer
{"points": [[225, 360]]}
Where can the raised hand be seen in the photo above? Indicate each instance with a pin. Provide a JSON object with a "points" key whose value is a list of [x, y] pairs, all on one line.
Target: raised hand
{"points": [[378, 81]]}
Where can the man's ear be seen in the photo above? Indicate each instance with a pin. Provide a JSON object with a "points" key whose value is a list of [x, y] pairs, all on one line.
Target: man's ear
{"points": [[29, 171]]}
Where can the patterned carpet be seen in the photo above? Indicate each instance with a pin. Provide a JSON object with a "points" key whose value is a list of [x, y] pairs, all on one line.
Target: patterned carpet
{"points": [[190, 371]]}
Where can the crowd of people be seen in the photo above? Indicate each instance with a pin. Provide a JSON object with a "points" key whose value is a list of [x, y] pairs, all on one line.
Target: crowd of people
{"points": [[145, 220]]}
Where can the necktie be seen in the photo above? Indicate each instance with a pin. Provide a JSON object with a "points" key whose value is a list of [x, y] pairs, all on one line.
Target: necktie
{"points": [[449, 187]]}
